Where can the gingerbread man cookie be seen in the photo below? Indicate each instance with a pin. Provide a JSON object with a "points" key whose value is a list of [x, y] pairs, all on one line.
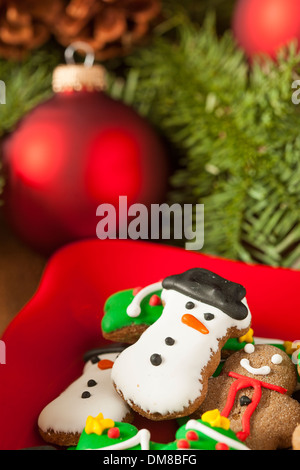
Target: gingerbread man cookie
{"points": [[164, 374], [254, 391]]}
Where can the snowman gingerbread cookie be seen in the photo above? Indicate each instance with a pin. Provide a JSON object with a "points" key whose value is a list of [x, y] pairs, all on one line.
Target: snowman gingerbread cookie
{"points": [[254, 391], [164, 374], [61, 422]]}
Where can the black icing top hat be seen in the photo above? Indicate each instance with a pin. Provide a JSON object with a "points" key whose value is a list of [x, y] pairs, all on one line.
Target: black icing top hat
{"points": [[212, 289]]}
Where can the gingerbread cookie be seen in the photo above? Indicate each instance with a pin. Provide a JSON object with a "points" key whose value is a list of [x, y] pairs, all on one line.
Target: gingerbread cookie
{"points": [[212, 432], [254, 391], [170, 364], [61, 422], [118, 326], [106, 434], [296, 438]]}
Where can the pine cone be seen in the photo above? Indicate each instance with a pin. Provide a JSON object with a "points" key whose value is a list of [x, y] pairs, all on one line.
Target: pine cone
{"points": [[111, 27]]}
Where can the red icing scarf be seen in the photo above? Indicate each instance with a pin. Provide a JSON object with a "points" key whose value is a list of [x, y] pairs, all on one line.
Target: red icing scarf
{"points": [[241, 383]]}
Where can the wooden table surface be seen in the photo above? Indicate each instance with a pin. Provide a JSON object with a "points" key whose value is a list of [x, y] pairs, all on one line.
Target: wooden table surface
{"points": [[20, 272]]}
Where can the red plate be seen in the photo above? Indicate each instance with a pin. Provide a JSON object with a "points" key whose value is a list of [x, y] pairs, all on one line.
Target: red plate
{"points": [[46, 341]]}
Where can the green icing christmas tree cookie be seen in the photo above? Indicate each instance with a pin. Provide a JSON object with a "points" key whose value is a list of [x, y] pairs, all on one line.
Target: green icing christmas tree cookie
{"points": [[212, 432], [106, 434], [118, 326]]}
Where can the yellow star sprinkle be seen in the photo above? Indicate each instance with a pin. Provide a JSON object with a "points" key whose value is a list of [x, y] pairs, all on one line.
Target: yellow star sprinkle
{"points": [[290, 347], [98, 425], [248, 337], [215, 419]]}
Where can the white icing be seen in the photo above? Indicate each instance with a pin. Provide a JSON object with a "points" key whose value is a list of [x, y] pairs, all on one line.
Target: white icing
{"points": [[176, 382], [277, 359], [215, 435], [134, 309], [264, 370], [259, 340], [68, 412], [249, 348], [142, 437]]}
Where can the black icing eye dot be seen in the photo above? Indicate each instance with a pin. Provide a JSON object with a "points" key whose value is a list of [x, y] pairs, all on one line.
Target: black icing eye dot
{"points": [[91, 383], [169, 341], [156, 359], [209, 316], [95, 359], [189, 305], [85, 395]]}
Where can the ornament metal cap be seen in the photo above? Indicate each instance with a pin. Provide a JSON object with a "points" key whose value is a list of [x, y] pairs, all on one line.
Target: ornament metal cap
{"points": [[78, 77]]}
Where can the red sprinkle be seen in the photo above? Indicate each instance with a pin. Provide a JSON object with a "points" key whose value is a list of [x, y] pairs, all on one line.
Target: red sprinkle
{"points": [[222, 446], [155, 301], [113, 433], [136, 290], [192, 436], [183, 444]]}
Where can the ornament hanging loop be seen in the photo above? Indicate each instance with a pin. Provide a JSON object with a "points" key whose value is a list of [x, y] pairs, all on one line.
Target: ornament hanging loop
{"points": [[77, 77], [80, 46]]}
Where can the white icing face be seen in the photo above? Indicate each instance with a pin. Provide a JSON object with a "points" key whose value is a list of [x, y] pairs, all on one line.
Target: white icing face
{"points": [[162, 371], [264, 370], [89, 395]]}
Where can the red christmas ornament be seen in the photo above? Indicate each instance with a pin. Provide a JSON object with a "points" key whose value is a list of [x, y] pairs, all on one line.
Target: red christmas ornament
{"points": [[262, 27], [74, 152]]}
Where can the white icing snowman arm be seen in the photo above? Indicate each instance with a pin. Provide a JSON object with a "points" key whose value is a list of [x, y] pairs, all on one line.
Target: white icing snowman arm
{"points": [[134, 309], [142, 437]]}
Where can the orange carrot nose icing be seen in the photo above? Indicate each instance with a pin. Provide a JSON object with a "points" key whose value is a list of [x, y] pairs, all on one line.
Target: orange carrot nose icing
{"points": [[193, 322], [105, 364]]}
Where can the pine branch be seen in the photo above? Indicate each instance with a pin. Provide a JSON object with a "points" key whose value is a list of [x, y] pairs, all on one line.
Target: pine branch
{"points": [[234, 131]]}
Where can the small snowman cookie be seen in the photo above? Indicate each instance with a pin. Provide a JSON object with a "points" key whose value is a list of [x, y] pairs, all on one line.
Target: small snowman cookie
{"points": [[254, 391], [164, 374], [61, 422]]}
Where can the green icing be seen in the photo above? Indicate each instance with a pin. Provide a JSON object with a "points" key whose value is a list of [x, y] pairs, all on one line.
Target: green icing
{"points": [[203, 442], [115, 316], [94, 441], [127, 431]]}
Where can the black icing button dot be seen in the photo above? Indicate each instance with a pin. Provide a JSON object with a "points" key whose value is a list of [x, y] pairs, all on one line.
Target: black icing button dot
{"points": [[91, 383], [245, 401], [169, 341], [85, 395], [156, 359]]}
